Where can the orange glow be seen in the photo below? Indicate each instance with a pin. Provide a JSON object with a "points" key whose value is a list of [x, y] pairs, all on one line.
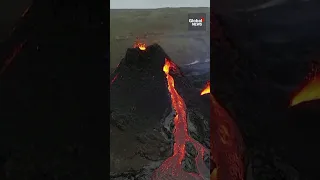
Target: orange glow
{"points": [[226, 143], [309, 92], [206, 89], [141, 46], [166, 67], [169, 65], [171, 168]]}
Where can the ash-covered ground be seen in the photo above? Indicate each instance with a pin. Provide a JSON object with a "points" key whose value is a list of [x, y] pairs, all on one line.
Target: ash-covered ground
{"points": [[142, 113]]}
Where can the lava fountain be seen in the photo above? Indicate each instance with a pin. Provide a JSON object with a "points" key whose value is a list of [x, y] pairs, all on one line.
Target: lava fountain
{"points": [[226, 143], [141, 46], [172, 168]]}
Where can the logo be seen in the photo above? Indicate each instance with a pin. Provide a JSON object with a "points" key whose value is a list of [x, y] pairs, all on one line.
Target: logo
{"points": [[197, 21]]}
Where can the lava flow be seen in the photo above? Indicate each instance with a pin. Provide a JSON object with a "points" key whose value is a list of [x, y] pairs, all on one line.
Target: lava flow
{"points": [[206, 90], [172, 168], [309, 92], [226, 143]]}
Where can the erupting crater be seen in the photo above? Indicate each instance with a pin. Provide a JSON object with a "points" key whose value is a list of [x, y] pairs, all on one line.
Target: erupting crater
{"points": [[140, 45], [162, 136]]}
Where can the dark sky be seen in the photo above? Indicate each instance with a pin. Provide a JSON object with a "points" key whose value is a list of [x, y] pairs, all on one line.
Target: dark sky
{"points": [[10, 11], [146, 4]]}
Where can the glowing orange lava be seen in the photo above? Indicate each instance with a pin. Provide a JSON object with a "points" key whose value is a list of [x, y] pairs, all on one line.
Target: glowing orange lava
{"points": [[309, 92], [226, 143], [141, 46], [206, 89], [171, 168]]}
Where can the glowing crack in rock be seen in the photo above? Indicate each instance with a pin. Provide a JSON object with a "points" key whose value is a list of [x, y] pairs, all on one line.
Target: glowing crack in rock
{"points": [[114, 78], [226, 143], [310, 91], [141, 46], [25, 11], [9, 60], [172, 168]]}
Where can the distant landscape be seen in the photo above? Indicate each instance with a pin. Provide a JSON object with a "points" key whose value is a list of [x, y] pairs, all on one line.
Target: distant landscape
{"points": [[165, 26]]}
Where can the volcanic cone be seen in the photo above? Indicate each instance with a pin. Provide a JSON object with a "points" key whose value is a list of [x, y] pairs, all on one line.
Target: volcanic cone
{"points": [[159, 124]]}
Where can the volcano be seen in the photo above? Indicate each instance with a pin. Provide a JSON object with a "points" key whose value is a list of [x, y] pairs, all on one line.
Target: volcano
{"points": [[159, 125]]}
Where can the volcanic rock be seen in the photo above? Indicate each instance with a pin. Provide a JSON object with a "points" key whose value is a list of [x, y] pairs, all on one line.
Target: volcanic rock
{"points": [[198, 73], [189, 163], [141, 123], [257, 91]]}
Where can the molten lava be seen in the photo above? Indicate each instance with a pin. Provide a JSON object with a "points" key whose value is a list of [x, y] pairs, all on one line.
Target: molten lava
{"points": [[171, 168], [141, 46], [226, 143], [311, 91], [206, 89]]}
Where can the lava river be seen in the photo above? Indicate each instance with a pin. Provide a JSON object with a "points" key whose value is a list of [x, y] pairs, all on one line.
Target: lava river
{"points": [[172, 168], [226, 143]]}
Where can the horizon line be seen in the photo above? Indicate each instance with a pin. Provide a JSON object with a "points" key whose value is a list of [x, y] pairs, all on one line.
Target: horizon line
{"points": [[159, 8]]}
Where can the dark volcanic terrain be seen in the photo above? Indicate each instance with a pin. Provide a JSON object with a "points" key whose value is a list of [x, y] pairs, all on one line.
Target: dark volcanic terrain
{"points": [[260, 59], [54, 93], [142, 127]]}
